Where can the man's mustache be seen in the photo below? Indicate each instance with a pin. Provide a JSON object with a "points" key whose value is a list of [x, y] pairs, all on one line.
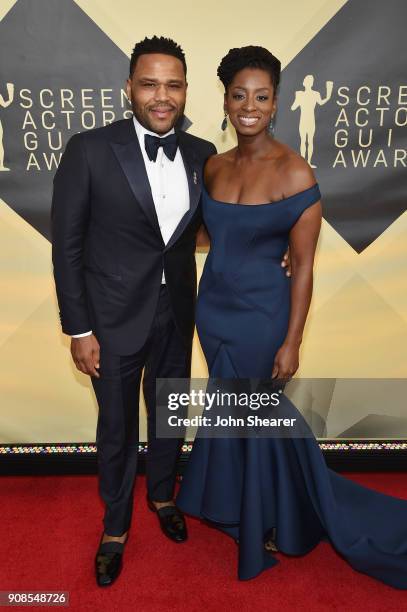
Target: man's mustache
{"points": [[162, 107]]}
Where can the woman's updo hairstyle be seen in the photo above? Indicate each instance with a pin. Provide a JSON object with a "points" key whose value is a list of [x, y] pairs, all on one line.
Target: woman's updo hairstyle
{"points": [[249, 57]]}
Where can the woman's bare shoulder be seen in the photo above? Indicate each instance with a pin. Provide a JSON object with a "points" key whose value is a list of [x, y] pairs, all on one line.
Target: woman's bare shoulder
{"points": [[295, 172], [216, 162]]}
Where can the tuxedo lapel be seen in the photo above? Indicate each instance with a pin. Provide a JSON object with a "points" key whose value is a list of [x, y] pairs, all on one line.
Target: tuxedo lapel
{"points": [[130, 157], [194, 185]]}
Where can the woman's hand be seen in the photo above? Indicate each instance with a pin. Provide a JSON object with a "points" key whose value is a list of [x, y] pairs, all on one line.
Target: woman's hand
{"points": [[286, 361], [286, 262]]}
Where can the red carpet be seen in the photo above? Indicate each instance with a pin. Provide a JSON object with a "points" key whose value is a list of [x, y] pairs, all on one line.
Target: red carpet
{"points": [[50, 527]]}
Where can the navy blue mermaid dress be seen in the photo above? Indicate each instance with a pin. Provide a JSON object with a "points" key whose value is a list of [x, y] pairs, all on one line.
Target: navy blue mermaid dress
{"points": [[246, 487]]}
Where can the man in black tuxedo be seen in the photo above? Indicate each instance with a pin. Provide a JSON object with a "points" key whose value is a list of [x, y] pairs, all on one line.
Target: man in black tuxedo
{"points": [[125, 216]]}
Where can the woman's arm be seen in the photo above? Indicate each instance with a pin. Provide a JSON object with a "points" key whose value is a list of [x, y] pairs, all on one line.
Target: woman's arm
{"points": [[202, 239], [303, 241]]}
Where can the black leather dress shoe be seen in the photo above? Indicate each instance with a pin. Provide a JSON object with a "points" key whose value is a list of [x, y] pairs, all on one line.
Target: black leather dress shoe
{"points": [[171, 520], [109, 562]]}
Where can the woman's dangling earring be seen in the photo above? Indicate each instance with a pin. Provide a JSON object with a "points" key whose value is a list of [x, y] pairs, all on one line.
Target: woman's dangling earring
{"points": [[271, 126], [224, 122]]}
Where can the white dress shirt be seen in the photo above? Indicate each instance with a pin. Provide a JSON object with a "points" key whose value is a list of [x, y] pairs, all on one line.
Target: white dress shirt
{"points": [[169, 188]]}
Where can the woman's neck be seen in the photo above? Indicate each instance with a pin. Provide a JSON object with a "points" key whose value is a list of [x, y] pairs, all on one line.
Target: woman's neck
{"points": [[252, 147]]}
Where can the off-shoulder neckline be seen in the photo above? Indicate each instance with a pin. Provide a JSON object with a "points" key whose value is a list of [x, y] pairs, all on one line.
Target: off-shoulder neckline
{"points": [[295, 195]]}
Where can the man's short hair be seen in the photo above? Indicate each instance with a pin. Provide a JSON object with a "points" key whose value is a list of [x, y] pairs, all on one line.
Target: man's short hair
{"points": [[157, 44]]}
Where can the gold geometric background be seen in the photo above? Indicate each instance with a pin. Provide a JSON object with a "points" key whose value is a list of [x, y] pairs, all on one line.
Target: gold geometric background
{"points": [[357, 326]]}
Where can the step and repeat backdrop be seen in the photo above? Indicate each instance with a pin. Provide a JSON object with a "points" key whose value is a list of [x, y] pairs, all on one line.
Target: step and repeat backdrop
{"points": [[342, 105]]}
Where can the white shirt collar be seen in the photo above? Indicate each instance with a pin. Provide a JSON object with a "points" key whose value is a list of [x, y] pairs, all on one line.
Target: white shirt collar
{"points": [[141, 131]]}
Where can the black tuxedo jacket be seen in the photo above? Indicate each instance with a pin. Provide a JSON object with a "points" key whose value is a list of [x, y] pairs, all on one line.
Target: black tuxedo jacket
{"points": [[107, 249]]}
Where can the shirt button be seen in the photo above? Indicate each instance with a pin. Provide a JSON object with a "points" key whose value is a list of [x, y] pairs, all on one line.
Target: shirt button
{"points": [[162, 165], [163, 196]]}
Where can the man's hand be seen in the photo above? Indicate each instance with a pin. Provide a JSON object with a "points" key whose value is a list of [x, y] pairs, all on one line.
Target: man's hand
{"points": [[286, 263], [86, 353]]}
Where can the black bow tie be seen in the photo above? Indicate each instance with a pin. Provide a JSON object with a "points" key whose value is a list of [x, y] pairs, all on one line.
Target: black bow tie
{"points": [[169, 144]]}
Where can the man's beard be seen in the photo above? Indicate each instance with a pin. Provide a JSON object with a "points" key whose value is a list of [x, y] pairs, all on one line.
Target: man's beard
{"points": [[144, 117]]}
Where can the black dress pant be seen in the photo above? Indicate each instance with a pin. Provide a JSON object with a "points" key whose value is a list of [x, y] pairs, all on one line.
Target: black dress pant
{"points": [[164, 355]]}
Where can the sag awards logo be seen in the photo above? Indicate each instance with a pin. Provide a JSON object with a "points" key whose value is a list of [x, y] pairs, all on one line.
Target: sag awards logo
{"points": [[4, 103], [343, 106], [363, 125], [59, 74], [306, 100], [49, 116]]}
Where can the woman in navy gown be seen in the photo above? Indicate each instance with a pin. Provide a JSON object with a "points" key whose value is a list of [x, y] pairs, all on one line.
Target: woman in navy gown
{"points": [[271, 493]]}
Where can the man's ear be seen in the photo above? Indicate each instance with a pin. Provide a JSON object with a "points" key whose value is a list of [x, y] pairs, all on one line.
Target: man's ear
{"points": [[128, 89]]}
